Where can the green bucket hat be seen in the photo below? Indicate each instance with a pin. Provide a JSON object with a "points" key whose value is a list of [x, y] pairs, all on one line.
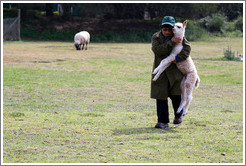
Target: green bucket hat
{"points": [[168, 20]]}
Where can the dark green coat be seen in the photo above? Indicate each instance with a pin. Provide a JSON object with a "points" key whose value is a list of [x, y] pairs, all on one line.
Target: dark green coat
{"points": [[169, 81]]}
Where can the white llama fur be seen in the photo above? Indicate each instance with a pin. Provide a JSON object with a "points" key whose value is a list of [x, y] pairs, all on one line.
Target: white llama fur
{"points": [[187, 67], [81, 38]]}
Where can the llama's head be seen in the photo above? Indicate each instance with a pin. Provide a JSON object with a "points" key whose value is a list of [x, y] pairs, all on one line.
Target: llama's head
{"points": [[179, 29]]}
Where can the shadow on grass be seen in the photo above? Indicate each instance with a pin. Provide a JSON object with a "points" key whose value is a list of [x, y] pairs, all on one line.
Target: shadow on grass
{"points": [[130, 131]]}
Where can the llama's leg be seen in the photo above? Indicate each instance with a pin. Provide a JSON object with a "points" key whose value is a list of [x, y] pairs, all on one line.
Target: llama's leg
{"points": [[163, 65], [83, 46], [159, 70], [189, 83], [188, 98], [183, 98], [167, 61]]}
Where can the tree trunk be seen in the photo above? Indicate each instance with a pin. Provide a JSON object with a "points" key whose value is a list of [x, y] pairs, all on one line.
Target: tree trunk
{"points": [[48, 9], [66, 11]]}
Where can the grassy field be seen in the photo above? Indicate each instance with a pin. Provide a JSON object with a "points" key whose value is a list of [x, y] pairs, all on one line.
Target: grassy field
{"points": [[66, 106]]}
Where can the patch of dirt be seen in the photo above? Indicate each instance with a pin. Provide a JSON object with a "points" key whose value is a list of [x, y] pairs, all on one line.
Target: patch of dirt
{"points": [[57, 60]]}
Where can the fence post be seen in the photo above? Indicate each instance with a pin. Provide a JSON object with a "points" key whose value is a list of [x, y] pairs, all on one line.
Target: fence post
{"points": [[19, 17]]}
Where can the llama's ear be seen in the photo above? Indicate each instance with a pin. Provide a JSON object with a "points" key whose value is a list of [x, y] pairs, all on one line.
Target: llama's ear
{"points": [[185, 23]]}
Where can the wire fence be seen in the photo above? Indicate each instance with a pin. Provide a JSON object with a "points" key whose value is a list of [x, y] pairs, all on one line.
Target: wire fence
{"points": [[11, 28]]}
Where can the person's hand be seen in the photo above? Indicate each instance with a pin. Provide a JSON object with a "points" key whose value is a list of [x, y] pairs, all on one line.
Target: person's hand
{"points": [[176, 39]]}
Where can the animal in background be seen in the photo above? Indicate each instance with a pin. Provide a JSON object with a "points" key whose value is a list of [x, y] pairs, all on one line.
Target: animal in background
{"points": [[81, 39]]}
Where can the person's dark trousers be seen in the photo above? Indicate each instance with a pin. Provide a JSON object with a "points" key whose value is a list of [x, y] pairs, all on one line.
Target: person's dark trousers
{"points": [[162, 108], [162, 111]]}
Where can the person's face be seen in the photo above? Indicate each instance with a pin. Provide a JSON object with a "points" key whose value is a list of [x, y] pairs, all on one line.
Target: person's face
{"points": [[166, 31]]}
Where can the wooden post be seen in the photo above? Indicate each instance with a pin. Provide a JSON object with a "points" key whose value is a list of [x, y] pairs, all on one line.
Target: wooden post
{"points": [[19, 17]]}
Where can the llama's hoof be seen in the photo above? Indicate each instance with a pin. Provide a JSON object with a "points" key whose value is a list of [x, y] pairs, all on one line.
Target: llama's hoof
{"points": [[178, 111], [155, 71], [178, 120]]}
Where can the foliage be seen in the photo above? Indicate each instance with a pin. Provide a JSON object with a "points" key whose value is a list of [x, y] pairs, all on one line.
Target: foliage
{"points": [[9, 13], [219, 25], [136, 10], [56, 13], [33, 12], [228, 22], [229, 54], [231, 10], [128, 36], [239, 23], [216, 23], [30, 34], [195, 32], [67, 15], [110, 36], [204, 9]]}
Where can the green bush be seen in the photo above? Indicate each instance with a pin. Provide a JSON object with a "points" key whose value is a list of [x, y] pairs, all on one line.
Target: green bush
{"points": [[203, 22], [239, 23], [10, 13], [110, 36], [32, 12], [233, 29], [46, 35], [229, 27], [194, 31], [229, 54], [128, 36], [216, 23]]}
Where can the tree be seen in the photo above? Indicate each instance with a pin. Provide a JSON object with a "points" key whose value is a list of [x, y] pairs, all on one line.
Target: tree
{"points": [[48, 9], [231, 10], [66, 11]]}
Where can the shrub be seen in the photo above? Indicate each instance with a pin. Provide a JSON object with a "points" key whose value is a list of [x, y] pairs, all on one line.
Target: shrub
{"points": [[229, 54], [216, 23], [229, 27], [203, 22], [32, 12], [230, 30], [219, 26], [128, 36], [194, 31], [239, 23], [10, 13], [47, 35]]}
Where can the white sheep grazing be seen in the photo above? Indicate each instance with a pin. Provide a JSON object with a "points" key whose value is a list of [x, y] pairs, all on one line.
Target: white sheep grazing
{"points": [[81, 38]]}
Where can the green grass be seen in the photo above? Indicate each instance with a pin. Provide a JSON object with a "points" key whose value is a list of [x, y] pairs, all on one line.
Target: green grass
{"points": [[66, 106]]}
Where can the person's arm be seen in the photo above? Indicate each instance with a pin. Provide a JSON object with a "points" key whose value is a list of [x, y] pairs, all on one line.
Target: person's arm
{"points": [[161, 50], [185, 51]]}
